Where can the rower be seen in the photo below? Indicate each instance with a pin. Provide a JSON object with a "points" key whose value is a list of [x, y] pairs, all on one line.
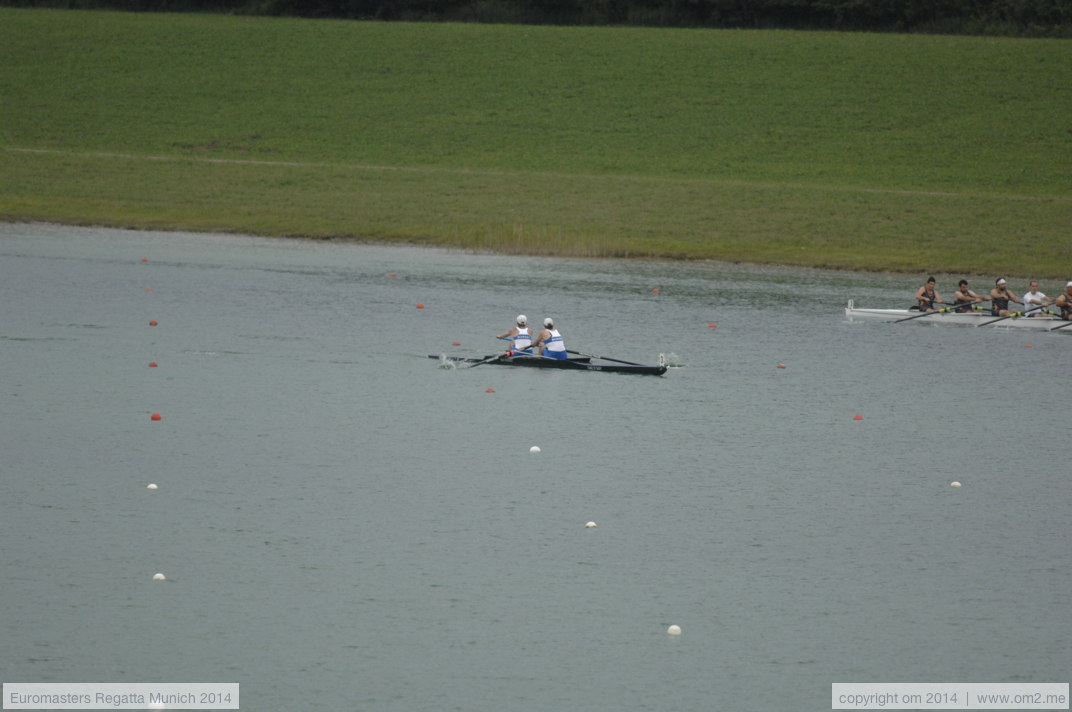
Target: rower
{"points": [[1064, 302], [520, 336], [1035, 300], [927, 296], [964, 297], [1000, 296], [549, 342]]}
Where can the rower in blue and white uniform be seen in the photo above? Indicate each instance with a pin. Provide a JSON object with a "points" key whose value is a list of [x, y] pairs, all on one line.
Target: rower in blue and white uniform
{"points": [[549, 342], [520, 336]]}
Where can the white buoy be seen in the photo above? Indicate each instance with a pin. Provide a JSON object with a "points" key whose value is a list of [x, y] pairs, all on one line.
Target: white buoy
{"points": [[954, 483], [590, 525], [159, 577], [674, 630], [151, 486], [534, 448]]}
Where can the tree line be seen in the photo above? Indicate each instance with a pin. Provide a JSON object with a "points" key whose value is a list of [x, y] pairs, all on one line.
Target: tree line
{"points": [[1028, 18]]}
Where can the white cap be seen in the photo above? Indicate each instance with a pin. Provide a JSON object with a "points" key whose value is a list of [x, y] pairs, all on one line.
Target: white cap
{"points": [[548, 323], [1001, 280], [522, 319], [1069, 284]]}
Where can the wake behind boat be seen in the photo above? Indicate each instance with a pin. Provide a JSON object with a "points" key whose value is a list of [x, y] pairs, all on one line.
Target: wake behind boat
{"points": [[979, 318], [580, 362]]}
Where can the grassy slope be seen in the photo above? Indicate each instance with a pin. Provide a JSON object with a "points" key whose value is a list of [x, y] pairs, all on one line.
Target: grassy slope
{"points": [[842, 150]]}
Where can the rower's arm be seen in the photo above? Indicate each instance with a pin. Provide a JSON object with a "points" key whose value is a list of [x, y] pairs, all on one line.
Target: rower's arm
{"points": [[537, 343]]}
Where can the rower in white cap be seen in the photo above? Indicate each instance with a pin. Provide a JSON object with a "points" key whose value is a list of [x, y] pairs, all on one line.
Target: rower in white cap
{"points": [[549, 342], [520, 336]]}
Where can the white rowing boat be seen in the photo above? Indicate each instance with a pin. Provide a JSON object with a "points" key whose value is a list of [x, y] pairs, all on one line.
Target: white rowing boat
{"points": [[979, 318]]}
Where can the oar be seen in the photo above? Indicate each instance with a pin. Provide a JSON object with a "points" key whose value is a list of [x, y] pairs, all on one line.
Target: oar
{"points": [[493, 359], [489, 359], [939, 311], [1013, 315], [1060, 327], [520, 352], [604, 358]]}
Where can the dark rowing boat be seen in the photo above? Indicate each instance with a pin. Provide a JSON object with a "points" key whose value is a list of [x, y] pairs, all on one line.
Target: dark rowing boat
{"points": [[581, 363]]}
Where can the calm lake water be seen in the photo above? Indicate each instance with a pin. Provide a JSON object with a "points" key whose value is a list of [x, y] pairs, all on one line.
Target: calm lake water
{"points": [[347, 525]]}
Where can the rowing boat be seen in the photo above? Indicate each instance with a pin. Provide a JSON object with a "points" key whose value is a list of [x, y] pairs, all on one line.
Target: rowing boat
{"points": [[1038, 323], [582, 363]]}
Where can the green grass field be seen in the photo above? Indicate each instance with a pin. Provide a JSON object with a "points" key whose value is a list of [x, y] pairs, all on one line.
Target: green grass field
{"points": [[856, 151]]}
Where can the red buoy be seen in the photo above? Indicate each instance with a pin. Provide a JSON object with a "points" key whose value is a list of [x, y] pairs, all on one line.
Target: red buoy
{"points": [[455, 343], [713, 325], [420, 306], [152, 364], [391, 274], [655, 291], [155, 416], [152, 323], [781, 365], [857, 417], [490, 390]]}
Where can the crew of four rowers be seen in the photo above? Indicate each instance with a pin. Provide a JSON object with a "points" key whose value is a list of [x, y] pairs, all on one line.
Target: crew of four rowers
{"points": [[1034, 302]]}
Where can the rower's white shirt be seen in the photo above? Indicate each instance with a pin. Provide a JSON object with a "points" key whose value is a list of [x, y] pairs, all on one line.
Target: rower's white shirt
{"points": [[1033, 299], [555, 343], [523, 339]]}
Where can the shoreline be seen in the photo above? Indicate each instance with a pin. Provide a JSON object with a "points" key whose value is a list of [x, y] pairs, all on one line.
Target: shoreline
{"points": [[944, 275]]}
